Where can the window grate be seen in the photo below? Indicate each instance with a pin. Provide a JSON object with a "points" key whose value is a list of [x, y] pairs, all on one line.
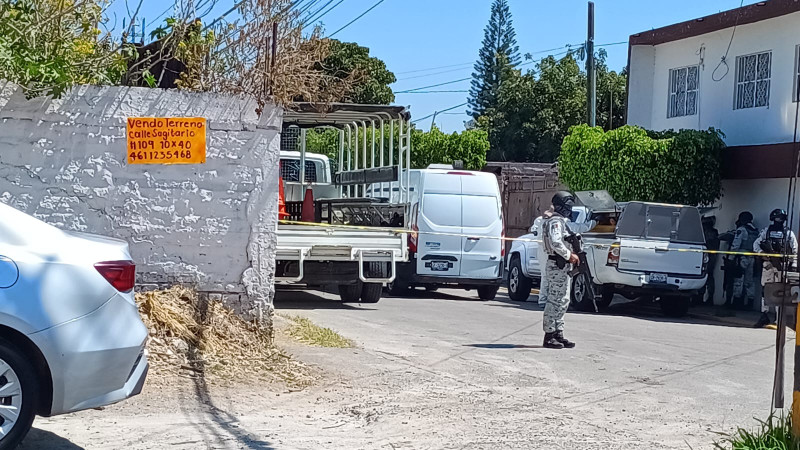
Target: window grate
{"points": [[753, 79], [290, 171], [684, 84]]}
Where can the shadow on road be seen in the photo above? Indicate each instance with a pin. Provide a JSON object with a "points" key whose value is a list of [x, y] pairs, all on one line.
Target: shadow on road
{"points": [[502, 346], [645, 309], [40, 439], [310, 300], [223, 426]]}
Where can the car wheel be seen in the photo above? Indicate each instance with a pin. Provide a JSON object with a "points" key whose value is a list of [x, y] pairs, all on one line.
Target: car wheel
{"points": [[519, 286], [350, 293], [675, 306], [487, 292], [581, 293], [371, 292], [18, 396]]}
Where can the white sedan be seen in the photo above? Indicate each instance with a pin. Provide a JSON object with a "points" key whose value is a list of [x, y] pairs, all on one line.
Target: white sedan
{"points": [[71, 337]]}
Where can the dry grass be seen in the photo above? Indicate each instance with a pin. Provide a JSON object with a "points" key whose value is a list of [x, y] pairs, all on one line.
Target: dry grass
{"points": [[204, 338], [310, 333]]}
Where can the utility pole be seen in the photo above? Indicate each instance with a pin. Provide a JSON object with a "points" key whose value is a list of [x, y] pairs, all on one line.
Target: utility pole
{"points": [[433, 121], [590, 72]]}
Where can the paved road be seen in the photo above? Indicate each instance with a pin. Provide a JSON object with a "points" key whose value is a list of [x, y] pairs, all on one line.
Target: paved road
{"points": [[634, 377], [453, 372]]}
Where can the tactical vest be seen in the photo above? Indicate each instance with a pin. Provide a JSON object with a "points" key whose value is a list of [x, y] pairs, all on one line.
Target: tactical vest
{"points": [[751, 234], [546, 238], [778, 238]]}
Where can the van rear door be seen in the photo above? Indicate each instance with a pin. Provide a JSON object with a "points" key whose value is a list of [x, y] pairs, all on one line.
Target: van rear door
{"points": [[439, 250], [482, 225], [652, 237]]}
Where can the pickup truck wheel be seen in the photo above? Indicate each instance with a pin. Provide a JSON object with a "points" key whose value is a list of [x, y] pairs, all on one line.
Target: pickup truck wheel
{"points": [[18, 396], [675, 306], [350, 293], [371, 292], [581, 294], [519, 286], [487, 292]]}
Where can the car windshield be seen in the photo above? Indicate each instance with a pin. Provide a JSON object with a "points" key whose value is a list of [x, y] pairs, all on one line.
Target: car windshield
{"points": [[661, 222]]}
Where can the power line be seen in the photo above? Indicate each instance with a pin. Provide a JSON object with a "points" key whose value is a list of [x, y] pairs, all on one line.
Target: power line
{"points": [[312, 19], [359, 16], [438, 112], [432, 86], [435, 68], [431, 92]]}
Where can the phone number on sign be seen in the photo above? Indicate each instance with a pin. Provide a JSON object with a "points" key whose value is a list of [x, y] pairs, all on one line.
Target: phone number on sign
{"points": [[156, 155]]}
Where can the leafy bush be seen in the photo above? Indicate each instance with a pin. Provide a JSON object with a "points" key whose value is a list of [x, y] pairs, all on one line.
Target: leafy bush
{"points": [[437, 147], [773, 434], [633, 164]]}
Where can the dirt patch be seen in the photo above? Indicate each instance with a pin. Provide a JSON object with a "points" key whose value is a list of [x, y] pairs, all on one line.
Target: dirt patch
{"points": [[192, 336]]}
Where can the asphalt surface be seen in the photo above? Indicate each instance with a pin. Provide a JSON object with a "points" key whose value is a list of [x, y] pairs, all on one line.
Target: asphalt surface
{"points": [[635, 376], [448, 371]]}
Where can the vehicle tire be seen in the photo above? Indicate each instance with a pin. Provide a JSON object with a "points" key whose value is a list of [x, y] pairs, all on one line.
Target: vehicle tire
{"points": [[487, 292], [519, 286], [350, 293], [605, 300], [371, 292], [581, 294], [15, 369], [675, 306]]}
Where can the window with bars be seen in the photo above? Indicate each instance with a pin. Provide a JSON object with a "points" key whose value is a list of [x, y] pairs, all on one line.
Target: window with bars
{"points": [[684, 84], [796, 96], [290, 170], [753, 73]]}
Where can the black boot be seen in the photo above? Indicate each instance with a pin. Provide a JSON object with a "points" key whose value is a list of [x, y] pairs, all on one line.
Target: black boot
{"points": [[550, 341], [560, 338], [763, 321]]}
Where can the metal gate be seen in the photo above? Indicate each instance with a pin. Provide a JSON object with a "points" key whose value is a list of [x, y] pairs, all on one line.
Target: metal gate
{"points": [[527, 190]]}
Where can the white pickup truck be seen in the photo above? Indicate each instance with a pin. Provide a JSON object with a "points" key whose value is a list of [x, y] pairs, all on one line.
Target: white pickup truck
{"points": [[346, 247], [636, 250]]}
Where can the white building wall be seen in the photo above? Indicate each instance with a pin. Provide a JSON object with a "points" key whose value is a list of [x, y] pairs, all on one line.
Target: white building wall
{"points": [[649, 85], [211, 225]]}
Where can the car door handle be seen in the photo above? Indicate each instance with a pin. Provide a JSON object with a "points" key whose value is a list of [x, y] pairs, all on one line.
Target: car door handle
{"points": [[493, 258], [661, 250], [473, 239]]}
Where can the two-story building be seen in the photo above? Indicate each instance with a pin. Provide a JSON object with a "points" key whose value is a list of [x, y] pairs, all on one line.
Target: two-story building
{"points": [[737, 71]]}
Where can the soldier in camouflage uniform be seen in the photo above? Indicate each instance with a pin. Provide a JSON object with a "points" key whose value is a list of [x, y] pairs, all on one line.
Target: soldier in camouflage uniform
{"points": [[559, 260]]}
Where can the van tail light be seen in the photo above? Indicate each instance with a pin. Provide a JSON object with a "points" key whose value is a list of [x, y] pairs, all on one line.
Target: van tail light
{"points": [[705, 263], [120, 274], [613, 256], [503, 239], [413, 237]]}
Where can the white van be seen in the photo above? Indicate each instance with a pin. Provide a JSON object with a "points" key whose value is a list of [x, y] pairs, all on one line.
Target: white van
{"points": [[459, 220]]}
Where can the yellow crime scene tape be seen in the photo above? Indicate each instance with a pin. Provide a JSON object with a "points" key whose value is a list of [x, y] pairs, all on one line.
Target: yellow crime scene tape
{"points": [[510, 239]]}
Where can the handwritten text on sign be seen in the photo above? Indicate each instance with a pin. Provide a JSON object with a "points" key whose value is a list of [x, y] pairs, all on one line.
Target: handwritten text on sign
{"points": [[164, 140]]}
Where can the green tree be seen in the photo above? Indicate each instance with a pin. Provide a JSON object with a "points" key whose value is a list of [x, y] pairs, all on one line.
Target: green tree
{"points": [[437, 147], [47, 46], [371, 78], [498, 52], [535, 110], [634, 164]]}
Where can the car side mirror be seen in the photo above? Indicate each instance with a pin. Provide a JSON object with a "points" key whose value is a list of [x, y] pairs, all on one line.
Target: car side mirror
{"points": [[533, 229]]}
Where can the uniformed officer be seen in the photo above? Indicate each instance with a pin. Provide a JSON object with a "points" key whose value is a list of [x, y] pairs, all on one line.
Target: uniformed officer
{"points": [[743, 286], [559, 260], [542, 256], [777, 238]]}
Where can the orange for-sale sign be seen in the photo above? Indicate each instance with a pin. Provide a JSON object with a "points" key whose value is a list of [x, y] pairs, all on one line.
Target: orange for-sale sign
{"points": [[166, 140]]}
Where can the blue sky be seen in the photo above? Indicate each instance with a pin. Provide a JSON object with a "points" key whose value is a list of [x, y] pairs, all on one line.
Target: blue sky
{"points": [[417, 38]]}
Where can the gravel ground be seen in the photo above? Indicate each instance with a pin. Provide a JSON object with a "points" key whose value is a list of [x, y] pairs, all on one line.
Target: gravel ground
{"points": [[452, 372]]}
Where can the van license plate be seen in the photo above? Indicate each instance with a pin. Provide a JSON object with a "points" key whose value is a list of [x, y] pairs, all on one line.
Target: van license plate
{"points": [[658, 278], [439, 266]]}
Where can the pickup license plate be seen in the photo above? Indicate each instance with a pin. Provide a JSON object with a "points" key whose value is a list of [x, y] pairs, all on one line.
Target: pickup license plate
{"points": [[439, 266], [657, 278]]}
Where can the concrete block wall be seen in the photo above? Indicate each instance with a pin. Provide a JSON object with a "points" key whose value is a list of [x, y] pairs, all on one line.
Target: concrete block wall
{"points": [[210, 225]]}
